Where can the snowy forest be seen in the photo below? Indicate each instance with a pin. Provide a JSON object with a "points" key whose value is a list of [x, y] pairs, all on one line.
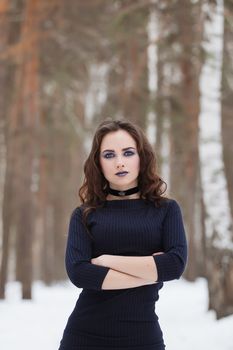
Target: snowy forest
{"points": [[66, 66]]}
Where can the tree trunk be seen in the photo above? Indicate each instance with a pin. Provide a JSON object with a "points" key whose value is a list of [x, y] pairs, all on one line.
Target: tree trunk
{"points": [[24, 120], [218, 220], [9, 37], [227, 103], [5, 234], [7, 218], [184, 112]]}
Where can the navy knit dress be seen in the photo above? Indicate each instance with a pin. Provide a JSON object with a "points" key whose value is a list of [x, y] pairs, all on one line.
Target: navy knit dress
{"points": [[121, 319]]}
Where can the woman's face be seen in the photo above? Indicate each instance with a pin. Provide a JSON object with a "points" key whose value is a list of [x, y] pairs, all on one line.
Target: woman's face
{"points": [[118, 153]]}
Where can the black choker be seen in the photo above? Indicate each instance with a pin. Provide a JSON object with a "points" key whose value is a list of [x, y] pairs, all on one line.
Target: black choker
{"points": [[123, 193]]}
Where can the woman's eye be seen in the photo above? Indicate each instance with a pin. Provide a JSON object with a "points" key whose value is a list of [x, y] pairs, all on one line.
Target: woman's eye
{"points": [[108, 155], [111, 155], [129, 153]]}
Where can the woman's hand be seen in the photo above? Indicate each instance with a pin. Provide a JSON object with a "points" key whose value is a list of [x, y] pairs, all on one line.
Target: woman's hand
{"points": [[99, 260]]}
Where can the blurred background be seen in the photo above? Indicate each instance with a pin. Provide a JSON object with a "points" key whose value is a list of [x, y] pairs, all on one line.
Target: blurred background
{"points": [[67, 65]]}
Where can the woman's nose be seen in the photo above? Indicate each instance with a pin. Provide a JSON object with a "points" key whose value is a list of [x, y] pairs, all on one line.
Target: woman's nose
{"points": [[120, 165], [120, 162]]}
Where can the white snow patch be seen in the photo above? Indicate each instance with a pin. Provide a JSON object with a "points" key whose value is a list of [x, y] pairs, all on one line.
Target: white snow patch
{"points": [[182, 311]]}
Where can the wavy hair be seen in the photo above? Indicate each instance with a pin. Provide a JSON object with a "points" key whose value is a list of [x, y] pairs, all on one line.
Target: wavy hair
{"points": [[95, 187]]}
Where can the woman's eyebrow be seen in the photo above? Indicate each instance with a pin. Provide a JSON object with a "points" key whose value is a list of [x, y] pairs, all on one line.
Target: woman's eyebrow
{"points": [[111, 150]]}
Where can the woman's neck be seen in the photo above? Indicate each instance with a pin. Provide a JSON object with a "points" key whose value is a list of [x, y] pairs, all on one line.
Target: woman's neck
{"points": [[131, 196]]}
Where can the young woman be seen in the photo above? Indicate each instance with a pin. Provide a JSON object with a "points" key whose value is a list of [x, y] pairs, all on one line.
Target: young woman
{"points": [[124, 241]]}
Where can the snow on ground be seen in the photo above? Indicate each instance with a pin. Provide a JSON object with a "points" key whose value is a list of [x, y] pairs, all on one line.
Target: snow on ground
{"points": [[182, 311]]}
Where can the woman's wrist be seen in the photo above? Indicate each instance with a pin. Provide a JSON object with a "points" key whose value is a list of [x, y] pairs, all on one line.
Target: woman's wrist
{"points": [[101, 260]]}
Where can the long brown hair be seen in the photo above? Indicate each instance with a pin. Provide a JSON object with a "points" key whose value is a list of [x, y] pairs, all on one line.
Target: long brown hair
{"points": [[94, 189]]}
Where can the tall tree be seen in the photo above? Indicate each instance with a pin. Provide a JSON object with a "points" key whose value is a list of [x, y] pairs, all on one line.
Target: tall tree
{"points": [[4, 33], [24, 121], [218, 220], [227, 103], [181, 32]]}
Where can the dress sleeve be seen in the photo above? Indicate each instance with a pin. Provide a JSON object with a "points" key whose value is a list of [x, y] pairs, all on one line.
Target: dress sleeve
{"points": [[171, 264], [80, 270]]}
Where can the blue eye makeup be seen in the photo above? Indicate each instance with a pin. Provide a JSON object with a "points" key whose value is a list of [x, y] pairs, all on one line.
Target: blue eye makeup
{"points": [[111, 155], [129, 153], [108, 155]]}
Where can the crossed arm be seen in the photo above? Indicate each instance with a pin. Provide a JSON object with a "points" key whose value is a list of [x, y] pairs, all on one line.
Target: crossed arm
{"points": [[127, 271], [118, 272], [85, 272], [158, 267]]}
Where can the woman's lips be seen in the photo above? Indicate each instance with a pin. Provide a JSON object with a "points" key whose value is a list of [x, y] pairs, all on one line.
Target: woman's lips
{"points": [[122, 174]]}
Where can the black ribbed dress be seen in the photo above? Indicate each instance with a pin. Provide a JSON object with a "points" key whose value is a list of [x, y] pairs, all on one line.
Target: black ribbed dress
{"points": [[121, 318]]}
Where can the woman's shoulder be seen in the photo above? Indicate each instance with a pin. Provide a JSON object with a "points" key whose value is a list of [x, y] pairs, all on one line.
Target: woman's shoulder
{"points": [[172, 202], [169, 204], [76, 211], [172, 206]]}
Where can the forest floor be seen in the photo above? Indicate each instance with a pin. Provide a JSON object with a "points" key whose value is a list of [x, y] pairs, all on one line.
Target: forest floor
{"points": [[182, 311]]}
